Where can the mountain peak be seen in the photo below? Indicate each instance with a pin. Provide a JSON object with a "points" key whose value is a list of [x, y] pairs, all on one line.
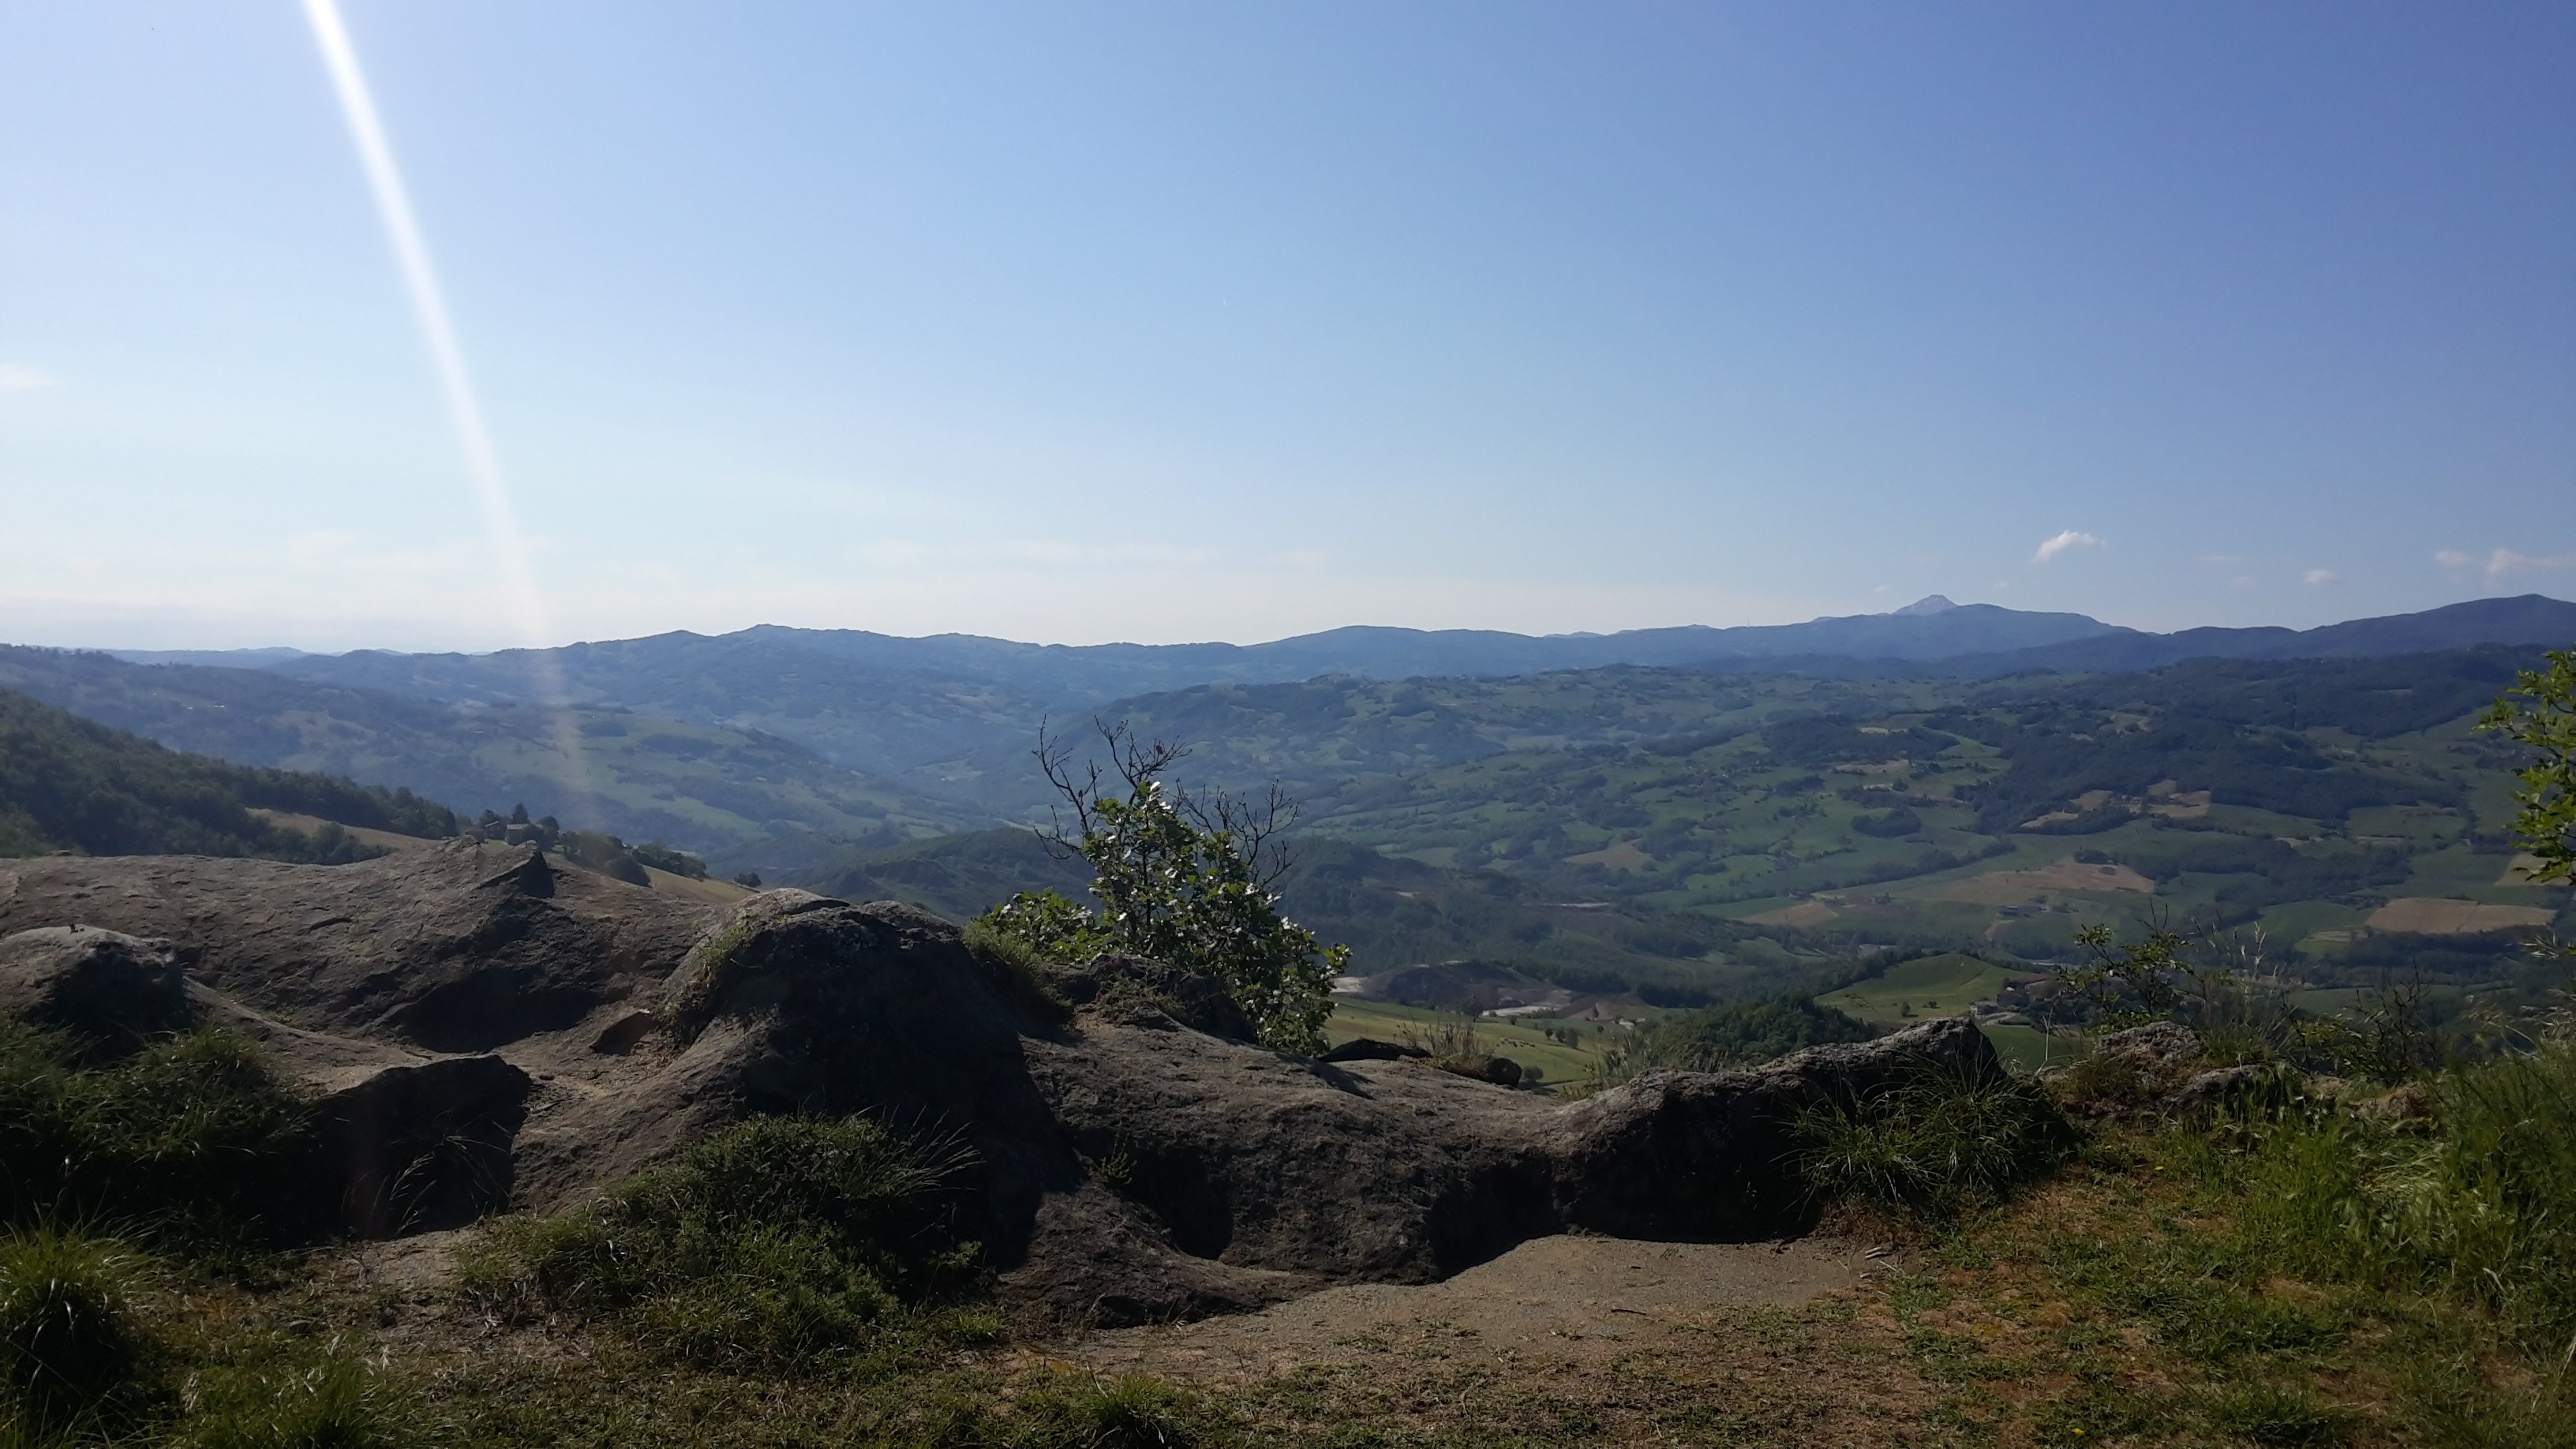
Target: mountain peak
{"points": [[1928, 604]]}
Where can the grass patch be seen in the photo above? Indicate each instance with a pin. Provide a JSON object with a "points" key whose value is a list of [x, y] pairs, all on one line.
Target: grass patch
{"points": [[193, 1140], [2480, 1204], [1934, 1143], [70, 1350], [786, 1242], [1925, 987]]}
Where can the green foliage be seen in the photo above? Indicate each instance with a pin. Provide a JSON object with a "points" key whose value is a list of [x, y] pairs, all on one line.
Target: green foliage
{"points": [[1742, 1033], [1935, 1142], [194, 1139], [1891, 825], [1045, 924], [782, 1243], [1186, 882], [66, 783], [69, 1346], [2128, 985], [2539, 712], [1175, 891]]}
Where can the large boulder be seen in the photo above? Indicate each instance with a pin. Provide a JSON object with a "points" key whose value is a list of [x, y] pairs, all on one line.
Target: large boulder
{"points": [[109, 990], [421, 1146], [1707, 1154]]}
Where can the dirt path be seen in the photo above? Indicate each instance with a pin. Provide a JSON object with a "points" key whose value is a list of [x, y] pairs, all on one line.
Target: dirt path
{"points": [[1564, 1297]]}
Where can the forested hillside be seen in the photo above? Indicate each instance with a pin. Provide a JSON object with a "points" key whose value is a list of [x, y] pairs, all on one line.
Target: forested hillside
{"points": [[69, 784]]}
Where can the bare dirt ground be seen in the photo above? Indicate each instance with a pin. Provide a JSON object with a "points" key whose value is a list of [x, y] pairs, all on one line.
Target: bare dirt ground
{"points": [[1570, 1297]]}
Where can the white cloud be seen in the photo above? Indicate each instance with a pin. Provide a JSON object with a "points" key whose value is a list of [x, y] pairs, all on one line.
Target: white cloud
{"points": [[2505, 561], [2241, 582], [2319, 578], [17, 378], [2452, 558], [2062, 542]]}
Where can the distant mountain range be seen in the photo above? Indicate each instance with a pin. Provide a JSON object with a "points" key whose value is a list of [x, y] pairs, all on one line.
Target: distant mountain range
{"points": [[1965, 638], [846, 736]]}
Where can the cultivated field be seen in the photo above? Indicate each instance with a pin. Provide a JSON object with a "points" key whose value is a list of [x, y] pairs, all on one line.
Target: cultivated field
{"points": [[1923, 988], [2016, 887], [2434, 916]]}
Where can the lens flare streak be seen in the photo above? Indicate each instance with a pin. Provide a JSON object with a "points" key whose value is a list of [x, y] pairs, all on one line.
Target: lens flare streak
{"points": [[429, 306]]}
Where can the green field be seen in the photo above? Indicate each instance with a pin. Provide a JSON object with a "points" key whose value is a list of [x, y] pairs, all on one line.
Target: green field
{"points": [[1920, 989], [1528, 1045], [2027, 1048]]}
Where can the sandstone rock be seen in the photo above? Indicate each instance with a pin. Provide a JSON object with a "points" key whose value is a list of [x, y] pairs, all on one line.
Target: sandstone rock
{"points": [[1133, 991], [1369, 1049], [2408, 1104], [1500, 1071], [107, 988], [1242, 1175], [458, 948], [2226, 1087], [2157, 1046], [418, 1147]]}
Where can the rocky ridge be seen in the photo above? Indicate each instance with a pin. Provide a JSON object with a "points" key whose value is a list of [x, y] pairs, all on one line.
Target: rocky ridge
{"points": [[487, 1029]]}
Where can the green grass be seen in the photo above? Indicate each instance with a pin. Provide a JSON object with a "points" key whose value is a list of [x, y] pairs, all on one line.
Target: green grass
{"points": [[785, 1242], [1528, 1045], [69, 1347], [2027, 1048], [1936, 1142], [1931, 986], [194, 1138]]}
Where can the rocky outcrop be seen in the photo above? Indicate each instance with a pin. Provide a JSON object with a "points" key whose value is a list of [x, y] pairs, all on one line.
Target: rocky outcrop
{"points": [[458, 948], [1136, 1158], [421, 1146], [106, 989], [1705, 1154]]}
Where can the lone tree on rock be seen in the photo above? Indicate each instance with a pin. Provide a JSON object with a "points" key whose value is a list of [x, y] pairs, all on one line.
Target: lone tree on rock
{"points": [[1182, 878]]}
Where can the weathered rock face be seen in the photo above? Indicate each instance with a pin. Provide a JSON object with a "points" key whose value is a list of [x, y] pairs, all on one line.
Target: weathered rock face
{"points": [[1703, 1154], [1127, 1166], [452, 949], [108, 989], [422, 1146]]}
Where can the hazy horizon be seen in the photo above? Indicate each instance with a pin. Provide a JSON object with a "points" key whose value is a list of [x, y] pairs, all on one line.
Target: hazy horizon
{"points": [[270, 646], [1161, 323]]}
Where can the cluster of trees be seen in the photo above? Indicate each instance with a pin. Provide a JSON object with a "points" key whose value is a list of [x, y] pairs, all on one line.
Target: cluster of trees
{"points": [[2052, 759], [597, 849]]}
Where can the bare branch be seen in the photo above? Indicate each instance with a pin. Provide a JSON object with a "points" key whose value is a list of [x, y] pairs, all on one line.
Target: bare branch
{"points": [[1055, 758]]}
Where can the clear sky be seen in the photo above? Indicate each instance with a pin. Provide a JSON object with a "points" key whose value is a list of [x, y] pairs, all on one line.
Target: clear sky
{"points": [[1081, 321]]}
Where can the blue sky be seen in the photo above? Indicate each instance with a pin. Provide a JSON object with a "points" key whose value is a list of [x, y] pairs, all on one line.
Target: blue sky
{"points": [[1083, 322]]}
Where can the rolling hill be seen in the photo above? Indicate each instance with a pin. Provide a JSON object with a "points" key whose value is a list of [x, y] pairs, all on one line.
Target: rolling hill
{"points": [[68, 784]]}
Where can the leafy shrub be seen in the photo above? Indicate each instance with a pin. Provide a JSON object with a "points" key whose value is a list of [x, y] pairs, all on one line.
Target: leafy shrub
{"points": [[69, 1348], [1184, 880], [780, 1241], [1935, 1142], [1041, 926]]}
